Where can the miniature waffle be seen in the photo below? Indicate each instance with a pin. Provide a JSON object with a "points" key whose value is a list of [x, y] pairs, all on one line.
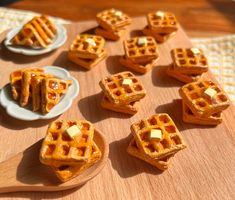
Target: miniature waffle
{"points": [[87, 63], [87, 46], [15, 81], [67, 172], [161, 164], [27, 77], [164, 23], [140, 68], [189, 117], [36, 93], [170, 143], [185, 78], [131, 108], [141, 53], [112, 19], [117, 93], [58, 148], [37, 33], [194, 97], [110, 34], [188, 62], [159, 37], [51, 91]]}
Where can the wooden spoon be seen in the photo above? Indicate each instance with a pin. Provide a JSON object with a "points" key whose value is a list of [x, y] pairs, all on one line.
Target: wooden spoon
{"points": [[24, 172]]}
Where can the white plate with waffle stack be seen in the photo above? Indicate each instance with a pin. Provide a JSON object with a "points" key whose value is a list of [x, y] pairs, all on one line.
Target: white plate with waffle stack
{"points": [[15, 110], [59, 40]]}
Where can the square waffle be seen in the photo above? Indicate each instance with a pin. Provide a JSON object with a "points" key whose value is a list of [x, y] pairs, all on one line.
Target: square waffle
{"points": [[112, 19], [58, 148], [188, 62], [140, 68], [161, 164], [185, 78], [37, 33], [170, 143], [117, 93], [51, 91], [110, 34], [162, 22], [194, 97], [189, 117], [131, 108], [141, 53], [87, 63], [67, 172], [87, 46], [15, 81]]}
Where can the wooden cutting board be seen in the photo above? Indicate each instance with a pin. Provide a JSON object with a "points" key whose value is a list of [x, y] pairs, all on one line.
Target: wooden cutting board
{"points": [[205, 170]]}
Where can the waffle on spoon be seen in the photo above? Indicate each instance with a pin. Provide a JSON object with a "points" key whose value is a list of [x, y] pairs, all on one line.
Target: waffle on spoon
{"points": [[37, 33]]}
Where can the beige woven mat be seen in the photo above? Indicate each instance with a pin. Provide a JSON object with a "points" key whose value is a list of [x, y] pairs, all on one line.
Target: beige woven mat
{"points": [[220, 51]]}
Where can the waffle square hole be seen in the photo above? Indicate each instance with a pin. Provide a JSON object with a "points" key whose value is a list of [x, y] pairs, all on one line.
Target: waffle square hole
{"points": [[63, 167], [200, 85], [222, 98], [144, 135], [203, 62], [141, 124], [50, 149], [52, 95], [170, 129], [65, 137], [112, 86], [164, 118], [58, 125], [128, 90], [138, 88], [151, 148], [84, 139], [194, 95], [80, 151], [132, 53], [86, 127], [152, 121], [190, 88], [65, 150], [54, 136], [118, 93], [192, 62], [182, 62], [176, 139], [165, 144], [201, 104]]}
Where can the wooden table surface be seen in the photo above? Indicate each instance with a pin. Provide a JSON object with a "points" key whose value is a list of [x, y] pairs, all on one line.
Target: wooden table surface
{"points": [[199, 18]]}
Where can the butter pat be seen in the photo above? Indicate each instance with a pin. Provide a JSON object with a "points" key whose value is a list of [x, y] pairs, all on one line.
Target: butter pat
{"points": [[142, 41], [155, 134], [160, 14], [73, 131], [210, 92], [126, 82], [195, 51], [118, 13], [90, 42]]}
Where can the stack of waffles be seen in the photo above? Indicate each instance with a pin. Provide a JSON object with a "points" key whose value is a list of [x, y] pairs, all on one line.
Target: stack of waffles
{"points": [[69, 149], [203, 103], [155, 140], [37, 33], [161, 25], [141, 54], [122, 93], [33, 84], [112, 24], [189, 64], [87, 50]]}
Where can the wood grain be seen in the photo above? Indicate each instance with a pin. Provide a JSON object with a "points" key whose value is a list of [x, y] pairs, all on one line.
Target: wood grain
{"points": [[199, 18], [205, 170]]}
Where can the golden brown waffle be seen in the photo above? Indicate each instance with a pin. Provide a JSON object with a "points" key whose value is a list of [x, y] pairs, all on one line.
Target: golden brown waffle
{"points": [[131, 108], [58, 148], [189, 117], [117, 93], [164, 23], [51, 91], [141, 53], [112, 19], [110, 34], [15, 81], [37, 33], [170, 143], [140, 68], [27, 77], [185, 78], [187, 62], [87, 46], [201, 105], [87, 63], [67, 172], [36, 93], [159, 37], [161, 164]]}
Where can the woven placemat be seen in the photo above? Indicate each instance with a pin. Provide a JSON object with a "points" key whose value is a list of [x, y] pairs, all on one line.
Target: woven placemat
{"points": [[220, 51]]}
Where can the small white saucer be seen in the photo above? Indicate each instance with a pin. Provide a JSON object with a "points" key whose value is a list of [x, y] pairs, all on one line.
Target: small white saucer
{"points": [[15, 110], [58, 41]]}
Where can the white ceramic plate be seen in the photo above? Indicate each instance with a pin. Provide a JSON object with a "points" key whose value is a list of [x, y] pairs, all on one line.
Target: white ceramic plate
{"points": [[15, 110], [58, 41]]}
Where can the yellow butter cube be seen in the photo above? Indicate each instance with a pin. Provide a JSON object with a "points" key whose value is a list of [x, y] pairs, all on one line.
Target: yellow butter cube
{"points": [[155, 134], [210, 92], [73, 131], [118, 13], [126, 82], [195, 51], [160, 14], [142, 41], [90, 42]]}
